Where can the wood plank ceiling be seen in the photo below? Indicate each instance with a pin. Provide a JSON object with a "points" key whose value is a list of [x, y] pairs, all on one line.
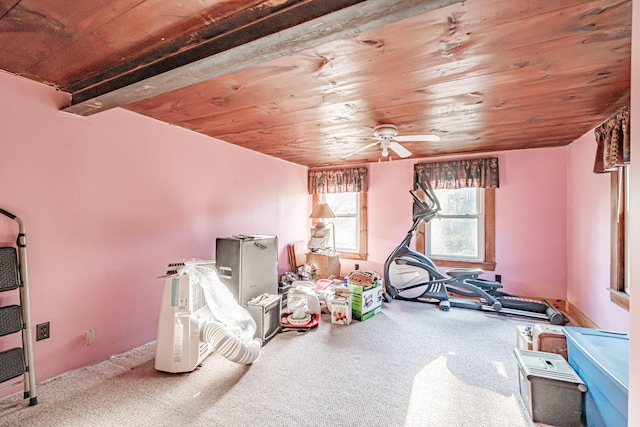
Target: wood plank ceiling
{"points": [[308, 80]]}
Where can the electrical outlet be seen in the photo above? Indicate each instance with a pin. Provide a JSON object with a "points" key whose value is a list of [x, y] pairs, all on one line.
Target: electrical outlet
{"points": [[42, 331]]}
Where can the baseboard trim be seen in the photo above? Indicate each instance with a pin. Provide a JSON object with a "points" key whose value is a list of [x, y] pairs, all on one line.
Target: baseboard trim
{"points": [[580, 318]]}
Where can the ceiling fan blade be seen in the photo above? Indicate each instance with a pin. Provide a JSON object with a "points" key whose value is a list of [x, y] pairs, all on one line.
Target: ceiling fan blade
{"points": [[399, 149], [417, 138], [360, 149]]}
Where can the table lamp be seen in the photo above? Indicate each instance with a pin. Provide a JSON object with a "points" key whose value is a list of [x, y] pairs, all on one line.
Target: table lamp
{"points": [[320, 233]]}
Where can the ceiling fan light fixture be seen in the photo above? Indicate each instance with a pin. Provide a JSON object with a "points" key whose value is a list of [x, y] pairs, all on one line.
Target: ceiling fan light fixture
{"points": [[387, 137], [386, 131]]}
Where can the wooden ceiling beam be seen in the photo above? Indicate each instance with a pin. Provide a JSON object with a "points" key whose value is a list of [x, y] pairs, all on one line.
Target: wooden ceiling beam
{"points": [[304, 25], [6, 6]]}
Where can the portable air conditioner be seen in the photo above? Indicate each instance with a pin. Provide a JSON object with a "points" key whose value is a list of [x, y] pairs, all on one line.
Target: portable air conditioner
{"points": [[183, 315], [198, 315]]}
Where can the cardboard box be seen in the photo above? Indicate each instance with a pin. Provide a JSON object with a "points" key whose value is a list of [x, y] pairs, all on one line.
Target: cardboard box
{"points": [[341, 307], [326, 265], [366, 301], [550, 339], [524, 340]]}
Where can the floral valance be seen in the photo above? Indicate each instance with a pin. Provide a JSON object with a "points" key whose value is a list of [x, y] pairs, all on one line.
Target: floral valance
{"points": [[352, 180], [480, 173], [614, 144]]}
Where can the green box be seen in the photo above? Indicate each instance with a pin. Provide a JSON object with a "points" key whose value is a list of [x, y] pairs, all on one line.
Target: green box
{"points": [[366, 301]]}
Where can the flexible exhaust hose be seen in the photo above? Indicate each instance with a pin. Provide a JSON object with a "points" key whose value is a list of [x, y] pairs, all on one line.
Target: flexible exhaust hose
{"points": [[229, 345]]}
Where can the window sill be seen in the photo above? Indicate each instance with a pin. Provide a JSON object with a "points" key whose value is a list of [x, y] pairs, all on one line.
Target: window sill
{"points": [[619, 298], [353, 255], [484, 265]]}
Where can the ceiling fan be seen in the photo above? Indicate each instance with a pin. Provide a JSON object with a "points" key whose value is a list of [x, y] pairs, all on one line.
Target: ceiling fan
{"points": [[387, 136]]}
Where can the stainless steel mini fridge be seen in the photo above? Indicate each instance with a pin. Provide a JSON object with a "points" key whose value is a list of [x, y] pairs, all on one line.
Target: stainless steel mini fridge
{"points": [[248, 265]]}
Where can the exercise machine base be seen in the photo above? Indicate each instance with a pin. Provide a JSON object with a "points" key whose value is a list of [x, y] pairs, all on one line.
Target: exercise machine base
{"points": [[510, 305]]}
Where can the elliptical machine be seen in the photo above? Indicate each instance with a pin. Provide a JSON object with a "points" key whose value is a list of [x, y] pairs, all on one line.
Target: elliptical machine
{"points": [[412, 276]]}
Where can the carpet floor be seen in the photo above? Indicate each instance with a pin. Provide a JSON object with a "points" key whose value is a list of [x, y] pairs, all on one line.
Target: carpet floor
{"points": [[410, 365]]}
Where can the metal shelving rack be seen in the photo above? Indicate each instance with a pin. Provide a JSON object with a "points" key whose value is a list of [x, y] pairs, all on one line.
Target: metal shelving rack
{"points": [[18, 361]]}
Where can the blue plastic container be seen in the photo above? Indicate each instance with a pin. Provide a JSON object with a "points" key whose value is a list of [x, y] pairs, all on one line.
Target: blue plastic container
{"points": [[601, 359]]}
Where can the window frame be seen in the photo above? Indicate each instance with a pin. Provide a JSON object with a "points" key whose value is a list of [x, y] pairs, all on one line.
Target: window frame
{"points": [[489, 261], [361, 253], [479, 216], [619, 233]]}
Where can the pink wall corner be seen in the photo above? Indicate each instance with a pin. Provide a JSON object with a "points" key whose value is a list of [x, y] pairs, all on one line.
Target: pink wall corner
{"points": [[589, 238], [109, 200], [531, 222]]}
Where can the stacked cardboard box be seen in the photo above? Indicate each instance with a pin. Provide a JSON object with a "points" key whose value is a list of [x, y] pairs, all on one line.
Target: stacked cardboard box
{"points": [[341, 307], [524, 340], [366, 301]]}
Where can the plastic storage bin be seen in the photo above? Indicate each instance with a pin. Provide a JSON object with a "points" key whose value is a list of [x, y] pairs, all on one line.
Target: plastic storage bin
{"points": [[549, 338], [601, 358], [550, 388]]}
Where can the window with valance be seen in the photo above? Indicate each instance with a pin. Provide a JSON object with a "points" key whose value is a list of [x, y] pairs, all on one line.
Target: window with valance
{"points": [[613, 156], [464, 235], [345, 191], [353, 180], [613, 142], [479, 173]]}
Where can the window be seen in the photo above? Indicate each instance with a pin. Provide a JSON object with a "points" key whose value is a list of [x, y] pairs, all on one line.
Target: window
{"points": [[464, 235], [620, 282], [350, 223], [613, 155], [458, 232], [627, 230], [345, 206], [345, 190]]}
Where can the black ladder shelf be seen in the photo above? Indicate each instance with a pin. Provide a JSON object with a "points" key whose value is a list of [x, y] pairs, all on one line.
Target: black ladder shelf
{"points": [[16, 362]]}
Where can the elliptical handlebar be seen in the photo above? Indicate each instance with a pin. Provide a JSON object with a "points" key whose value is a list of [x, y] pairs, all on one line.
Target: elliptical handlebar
{"points": [[425, 210]]}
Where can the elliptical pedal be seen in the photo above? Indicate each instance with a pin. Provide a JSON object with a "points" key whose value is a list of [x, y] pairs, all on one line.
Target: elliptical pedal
{"points": [[435, 291], [438, 291]]}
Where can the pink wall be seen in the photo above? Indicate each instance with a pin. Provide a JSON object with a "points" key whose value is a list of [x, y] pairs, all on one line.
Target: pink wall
{"points": [[530, 218], [531, 222], [109, 200], [589, 238]]}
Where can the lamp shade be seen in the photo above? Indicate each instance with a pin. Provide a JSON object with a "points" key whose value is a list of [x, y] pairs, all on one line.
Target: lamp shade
{"points": [[322, 210]]}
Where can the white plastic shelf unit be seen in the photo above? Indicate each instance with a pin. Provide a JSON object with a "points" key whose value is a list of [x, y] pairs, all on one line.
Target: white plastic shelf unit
{"points": [[18, 361]]}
